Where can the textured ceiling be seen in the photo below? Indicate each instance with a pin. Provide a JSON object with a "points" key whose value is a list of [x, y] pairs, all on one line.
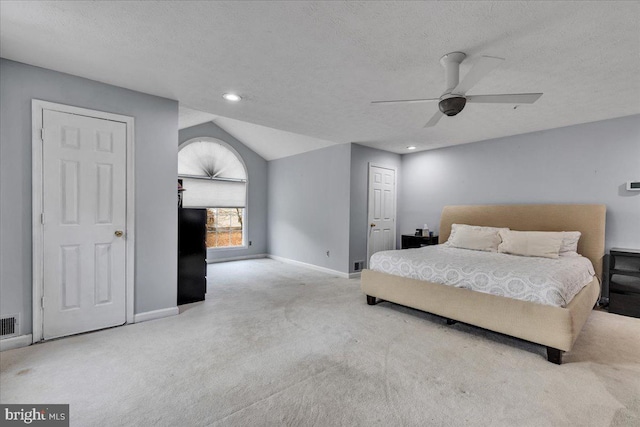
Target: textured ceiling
{"points": [[311, 68], [269, 143], [188, 117]]}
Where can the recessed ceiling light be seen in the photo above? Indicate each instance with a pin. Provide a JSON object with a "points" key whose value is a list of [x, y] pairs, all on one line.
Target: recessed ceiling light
{"points": [[411, 147], [232, 97]]}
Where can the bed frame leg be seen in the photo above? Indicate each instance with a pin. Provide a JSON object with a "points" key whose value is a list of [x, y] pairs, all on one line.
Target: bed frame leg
{"points": [[554, 355], [371, 300], [451, 322]]}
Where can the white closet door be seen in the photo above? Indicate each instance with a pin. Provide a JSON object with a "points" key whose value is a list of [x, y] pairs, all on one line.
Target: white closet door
{"points": [[84, 201], [382, 209]]}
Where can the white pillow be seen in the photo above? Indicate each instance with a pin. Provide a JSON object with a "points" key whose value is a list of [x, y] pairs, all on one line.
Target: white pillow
{"points": [[474, 237], [545, 244], [569, 245]]}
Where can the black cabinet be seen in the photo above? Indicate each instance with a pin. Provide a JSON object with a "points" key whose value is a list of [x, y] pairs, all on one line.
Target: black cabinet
{"points": [[192, 255], [624, 281], [410, 241]]}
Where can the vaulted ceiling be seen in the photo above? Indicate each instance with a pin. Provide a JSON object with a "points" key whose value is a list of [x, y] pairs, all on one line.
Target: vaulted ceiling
{"points": [[307, 71]]}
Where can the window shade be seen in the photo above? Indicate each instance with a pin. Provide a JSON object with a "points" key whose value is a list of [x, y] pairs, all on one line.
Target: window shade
{"points": [[209, 159], [223, 183], [206, 193]]}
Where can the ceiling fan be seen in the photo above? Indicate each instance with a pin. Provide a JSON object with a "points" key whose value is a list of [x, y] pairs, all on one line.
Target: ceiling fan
{"points": [[454, 98]]}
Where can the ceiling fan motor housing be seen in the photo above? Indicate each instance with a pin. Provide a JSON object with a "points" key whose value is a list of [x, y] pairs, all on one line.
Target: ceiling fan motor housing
{"points": [[452, 106]]}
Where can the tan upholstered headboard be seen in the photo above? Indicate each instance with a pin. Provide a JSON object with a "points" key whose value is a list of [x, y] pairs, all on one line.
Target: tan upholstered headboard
{"points": [[588, 219]]}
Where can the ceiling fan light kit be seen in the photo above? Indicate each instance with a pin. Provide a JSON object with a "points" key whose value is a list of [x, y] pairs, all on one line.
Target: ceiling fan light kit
{"points": [[454, 98], [453, 105]]}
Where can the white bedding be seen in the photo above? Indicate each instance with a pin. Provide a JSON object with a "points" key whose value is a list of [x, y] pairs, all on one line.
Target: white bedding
{"points": [[541, 280]]}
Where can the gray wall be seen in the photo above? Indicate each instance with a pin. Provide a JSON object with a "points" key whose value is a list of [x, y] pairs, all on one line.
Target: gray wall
{"points": [[156, 132], [309, 207], [361, 156], [587, 163], [256, 221]]}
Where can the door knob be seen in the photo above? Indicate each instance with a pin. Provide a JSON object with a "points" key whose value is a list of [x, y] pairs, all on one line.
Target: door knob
{"points": [[118, 233]]}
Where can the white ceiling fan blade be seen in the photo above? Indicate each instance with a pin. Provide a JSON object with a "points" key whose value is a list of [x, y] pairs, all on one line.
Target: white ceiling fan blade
{"points": [[434, 119], [512, 98], [483, 66], [406, 101]]}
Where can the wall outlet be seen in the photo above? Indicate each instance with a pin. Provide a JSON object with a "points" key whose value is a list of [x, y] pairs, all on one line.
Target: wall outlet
{"points": [[358, 265], [328, 254], [249, 242]]}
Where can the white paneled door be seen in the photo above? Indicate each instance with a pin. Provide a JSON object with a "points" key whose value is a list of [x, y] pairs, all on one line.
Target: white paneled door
{"points": [[84, 205], [382, 209]]}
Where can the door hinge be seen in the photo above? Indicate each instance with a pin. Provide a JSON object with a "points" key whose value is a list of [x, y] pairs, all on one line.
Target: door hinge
{"points": [[42, 134], [42, 302], [42, 218]]}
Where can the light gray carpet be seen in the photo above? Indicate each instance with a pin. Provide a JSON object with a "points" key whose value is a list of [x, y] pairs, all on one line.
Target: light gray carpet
{"points": [[276, 344]]}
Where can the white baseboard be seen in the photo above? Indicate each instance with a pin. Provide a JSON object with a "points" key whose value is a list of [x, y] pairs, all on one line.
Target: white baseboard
{"points": [[236, 258], [309, 266], [355, 275], [16, 342], [155, 314]]}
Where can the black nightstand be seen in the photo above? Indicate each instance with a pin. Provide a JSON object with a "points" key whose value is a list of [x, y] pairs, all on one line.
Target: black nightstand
{"points": [[410, 241], [624, 282]]}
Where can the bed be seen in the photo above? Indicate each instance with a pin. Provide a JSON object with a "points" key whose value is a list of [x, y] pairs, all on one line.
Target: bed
{"points": [[556, 327]]}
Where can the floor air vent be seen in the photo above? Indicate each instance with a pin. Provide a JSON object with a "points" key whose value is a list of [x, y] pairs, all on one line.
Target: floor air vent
{"points": [[358, 265], [9, 326]]}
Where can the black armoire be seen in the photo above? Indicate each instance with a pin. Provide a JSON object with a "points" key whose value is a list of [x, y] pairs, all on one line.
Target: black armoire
{"points": [[192, 255]]}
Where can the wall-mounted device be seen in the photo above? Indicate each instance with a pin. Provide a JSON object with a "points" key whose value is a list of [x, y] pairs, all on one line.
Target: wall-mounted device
{"points": [[633, 185]]}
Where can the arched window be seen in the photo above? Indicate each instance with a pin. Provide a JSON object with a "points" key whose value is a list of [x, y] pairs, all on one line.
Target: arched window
{"points": [[214, 177]]}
